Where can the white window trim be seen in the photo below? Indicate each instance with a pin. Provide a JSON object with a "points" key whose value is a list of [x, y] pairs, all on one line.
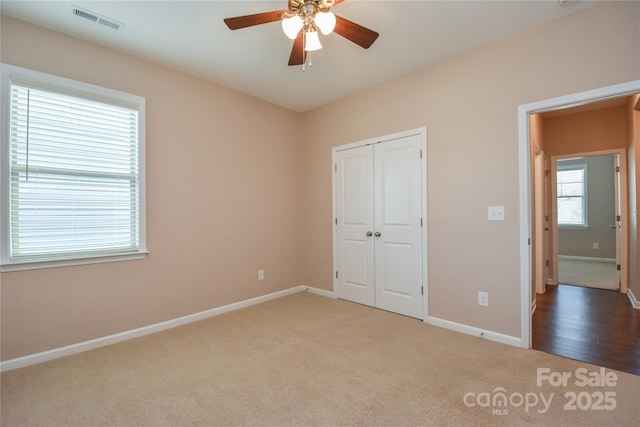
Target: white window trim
{"points": [[49, 82], [585, 204]]}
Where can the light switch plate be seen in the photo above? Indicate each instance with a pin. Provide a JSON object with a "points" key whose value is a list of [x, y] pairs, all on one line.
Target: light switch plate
{"points": [[496, 213]]}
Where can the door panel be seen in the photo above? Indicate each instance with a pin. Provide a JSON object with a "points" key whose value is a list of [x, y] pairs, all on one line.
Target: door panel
{"points": [[398, 207], [357, 175], [354, 215], [394, 166], [356, 265], [397, 269]]}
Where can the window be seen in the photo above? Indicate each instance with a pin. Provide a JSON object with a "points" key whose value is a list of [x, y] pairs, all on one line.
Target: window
{"points": [[572, 195], [72, 172]]}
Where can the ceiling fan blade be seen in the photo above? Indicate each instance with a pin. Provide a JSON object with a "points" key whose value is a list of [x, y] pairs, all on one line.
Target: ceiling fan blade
{"points": [[358, 34], [298, 54], [251, 20]]}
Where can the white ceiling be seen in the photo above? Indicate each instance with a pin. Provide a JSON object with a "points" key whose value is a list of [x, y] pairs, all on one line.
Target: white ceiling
{"points": [[190, 36]]}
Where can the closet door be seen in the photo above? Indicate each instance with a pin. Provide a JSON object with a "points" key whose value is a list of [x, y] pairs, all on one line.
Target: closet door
{"points": [[354, 225], [378, 205], [398, 234]]}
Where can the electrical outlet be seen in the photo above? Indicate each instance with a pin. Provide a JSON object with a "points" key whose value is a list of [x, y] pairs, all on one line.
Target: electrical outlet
{"points": [[260, 274], [483, 299], [595, 246]]}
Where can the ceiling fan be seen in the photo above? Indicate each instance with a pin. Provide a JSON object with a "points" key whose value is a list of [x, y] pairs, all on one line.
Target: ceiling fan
{"points": [[301, 23]]}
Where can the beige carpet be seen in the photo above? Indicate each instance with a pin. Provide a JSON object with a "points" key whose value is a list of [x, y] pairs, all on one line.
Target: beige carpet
{"points": [[592, 274], [310, 360]]}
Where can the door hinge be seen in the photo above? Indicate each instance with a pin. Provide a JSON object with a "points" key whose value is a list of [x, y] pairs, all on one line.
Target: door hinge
{"points": [[617, 217], [547, 261], [336, 220], [336, 274], [618, 267], [421, 153], [529, 241], [421, 222], [422, 290], [617, 168], [335, 167]]}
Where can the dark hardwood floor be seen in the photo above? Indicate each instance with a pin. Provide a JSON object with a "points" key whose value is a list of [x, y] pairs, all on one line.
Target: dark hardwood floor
{"points": [[591, 325]]}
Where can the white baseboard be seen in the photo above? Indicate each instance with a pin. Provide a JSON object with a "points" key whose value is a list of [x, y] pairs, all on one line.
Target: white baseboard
{"points": [[471, 330], [586, 258], [56, 353], [634, 301], [69, 350], [322, 292]]}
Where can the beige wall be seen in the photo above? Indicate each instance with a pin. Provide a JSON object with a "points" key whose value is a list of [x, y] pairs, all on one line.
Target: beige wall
{"points": [[223, 197], [267, 190], [595, 130], [469, 105]]}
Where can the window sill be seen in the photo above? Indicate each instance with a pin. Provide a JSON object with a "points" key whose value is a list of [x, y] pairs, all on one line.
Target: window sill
{"points": [[20, 266]]}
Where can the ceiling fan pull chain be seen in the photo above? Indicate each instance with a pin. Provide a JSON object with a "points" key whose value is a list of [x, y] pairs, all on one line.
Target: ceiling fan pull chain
{"points": [[304, 65]]}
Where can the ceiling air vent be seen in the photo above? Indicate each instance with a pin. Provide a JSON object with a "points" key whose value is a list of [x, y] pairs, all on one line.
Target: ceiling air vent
{"points": [[94, 17]]}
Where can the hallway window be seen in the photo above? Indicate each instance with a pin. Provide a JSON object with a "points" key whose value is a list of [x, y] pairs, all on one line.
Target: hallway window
{"points": [[572, 195]]}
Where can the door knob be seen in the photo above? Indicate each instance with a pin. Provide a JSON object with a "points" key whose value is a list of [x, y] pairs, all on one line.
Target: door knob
{"points": [[369, 234], [612, 226], [378, 234]]}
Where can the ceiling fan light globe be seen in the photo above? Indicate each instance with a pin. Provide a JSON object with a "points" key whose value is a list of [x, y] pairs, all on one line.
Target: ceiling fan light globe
{"points": [[292, 26], [312, 41], [326, 22]]}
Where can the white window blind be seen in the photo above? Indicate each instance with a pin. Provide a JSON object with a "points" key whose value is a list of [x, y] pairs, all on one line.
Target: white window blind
{"points": [[571, 195], [75, 184]]}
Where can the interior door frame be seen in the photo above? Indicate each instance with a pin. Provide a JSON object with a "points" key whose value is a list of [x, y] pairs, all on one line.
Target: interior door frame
{"points": [[422, 133], [524, 182], [621, 198], [540, 226]]}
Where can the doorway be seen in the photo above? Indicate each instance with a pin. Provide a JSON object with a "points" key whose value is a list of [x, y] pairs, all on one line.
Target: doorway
{"points": [[584, 316], [525, 185], [586, 221]]}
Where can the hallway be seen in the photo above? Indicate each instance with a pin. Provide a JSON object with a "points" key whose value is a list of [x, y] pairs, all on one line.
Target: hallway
{"points": [[591, 325]]}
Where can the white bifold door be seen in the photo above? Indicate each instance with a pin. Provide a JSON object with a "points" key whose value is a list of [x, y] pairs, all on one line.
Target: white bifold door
{"points": [[378, 235]]}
